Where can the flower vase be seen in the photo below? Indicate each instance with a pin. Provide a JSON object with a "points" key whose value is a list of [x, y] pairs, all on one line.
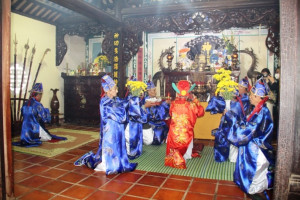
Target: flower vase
{"points": [[227, 103], [54, 105], [101, 67]]}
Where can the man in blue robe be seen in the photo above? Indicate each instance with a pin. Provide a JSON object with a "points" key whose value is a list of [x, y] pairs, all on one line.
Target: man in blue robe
{"points": [[253, 170], [111, 156], [239, 107], [134, 128], [156, 130], [35, 116]]}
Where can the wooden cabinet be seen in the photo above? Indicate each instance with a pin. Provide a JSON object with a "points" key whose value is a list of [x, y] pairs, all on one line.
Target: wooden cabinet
{"points": [[81, 99]]}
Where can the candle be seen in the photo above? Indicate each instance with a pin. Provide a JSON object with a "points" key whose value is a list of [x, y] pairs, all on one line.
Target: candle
{"points": [[168, 95]]}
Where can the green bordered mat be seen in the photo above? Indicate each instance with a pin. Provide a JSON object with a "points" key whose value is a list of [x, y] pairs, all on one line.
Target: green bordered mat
{"points": [[75, 139], [152, 160]]}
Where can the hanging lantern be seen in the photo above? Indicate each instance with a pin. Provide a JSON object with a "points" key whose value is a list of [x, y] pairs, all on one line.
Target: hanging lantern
{"points": [[170, 57]]}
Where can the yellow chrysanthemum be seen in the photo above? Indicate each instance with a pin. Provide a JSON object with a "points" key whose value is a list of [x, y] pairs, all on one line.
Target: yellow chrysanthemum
{"points": [[136, 87], [226, 86], [101, 58]]}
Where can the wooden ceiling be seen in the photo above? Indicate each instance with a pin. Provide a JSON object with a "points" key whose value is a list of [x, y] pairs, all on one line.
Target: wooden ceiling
{"points": [[58, 12], [45, 11]]}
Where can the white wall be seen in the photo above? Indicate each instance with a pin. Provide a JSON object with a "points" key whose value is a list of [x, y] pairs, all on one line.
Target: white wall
{"points": [[42, 35], [75, 54]]}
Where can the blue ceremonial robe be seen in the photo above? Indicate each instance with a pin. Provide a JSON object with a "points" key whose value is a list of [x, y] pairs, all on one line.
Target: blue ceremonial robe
{"points": [[156, 116], [252, 137], [215, 105], [35, 116], [137, 117], [112, 145], [222, 145]]}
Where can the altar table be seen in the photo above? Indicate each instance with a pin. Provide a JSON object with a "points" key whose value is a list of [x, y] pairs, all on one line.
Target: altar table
{"points": [[205, 124]]}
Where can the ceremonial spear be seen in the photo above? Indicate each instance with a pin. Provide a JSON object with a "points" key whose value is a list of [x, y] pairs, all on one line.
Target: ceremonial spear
{"points": [[24, 64], [15, 74], [30, 65], [37, 72]]}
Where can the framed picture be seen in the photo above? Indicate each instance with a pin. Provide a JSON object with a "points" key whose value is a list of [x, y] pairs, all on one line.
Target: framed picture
{"points": [[94, 48]]}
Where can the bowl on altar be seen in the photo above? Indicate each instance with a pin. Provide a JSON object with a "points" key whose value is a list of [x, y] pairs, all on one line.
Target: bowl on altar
{"points": [[154, 100]]}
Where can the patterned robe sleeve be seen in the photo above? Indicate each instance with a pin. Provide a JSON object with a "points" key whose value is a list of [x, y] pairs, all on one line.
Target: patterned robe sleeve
{"points": [[258, 129], [42, 114], [216, 105], [135, 110], [116, 110]]}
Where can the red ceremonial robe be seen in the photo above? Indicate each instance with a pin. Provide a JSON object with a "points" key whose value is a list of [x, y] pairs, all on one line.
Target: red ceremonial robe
{"points": [[183, 118]]}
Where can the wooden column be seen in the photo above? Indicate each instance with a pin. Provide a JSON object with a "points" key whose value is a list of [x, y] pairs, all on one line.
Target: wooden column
{"points": [[119, 68], [296, 166], [122, 72], [288, 102], [5, 125], [294, 180]]}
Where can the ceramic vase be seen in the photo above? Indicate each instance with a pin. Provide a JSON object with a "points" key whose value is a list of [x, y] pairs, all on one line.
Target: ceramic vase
{"points": [[54, 105], [227, 104]]}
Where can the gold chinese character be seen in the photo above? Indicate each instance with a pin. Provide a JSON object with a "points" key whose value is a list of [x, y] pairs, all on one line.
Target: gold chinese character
{"points": [[116, 35], [116, 43], [116, 50], [116, 74], [116, 59]]}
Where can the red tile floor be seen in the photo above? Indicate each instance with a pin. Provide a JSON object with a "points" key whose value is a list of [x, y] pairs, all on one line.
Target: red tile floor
{"points": [[56, 178]]}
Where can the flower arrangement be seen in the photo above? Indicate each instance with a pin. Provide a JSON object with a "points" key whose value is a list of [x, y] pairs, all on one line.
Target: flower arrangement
{"points": [[136, 87], [230, 43], [226, 86], [101, 61]]}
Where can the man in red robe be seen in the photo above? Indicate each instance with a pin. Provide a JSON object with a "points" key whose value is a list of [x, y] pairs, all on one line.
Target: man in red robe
{"points": [[183, 113]]}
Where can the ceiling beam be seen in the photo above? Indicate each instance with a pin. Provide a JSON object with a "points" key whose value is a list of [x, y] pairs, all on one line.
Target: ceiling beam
{"points": [[89, 11], [162, 9]]}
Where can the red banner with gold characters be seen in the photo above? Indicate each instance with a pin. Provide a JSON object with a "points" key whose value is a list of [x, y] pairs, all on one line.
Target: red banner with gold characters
{"points": [[140, 65], [116, 44]]}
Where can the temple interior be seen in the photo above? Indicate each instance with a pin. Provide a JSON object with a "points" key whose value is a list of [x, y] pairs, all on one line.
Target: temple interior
{"points": [[69, 46]]}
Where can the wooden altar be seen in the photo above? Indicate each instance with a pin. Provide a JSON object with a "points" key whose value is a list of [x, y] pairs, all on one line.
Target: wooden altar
{"points": [[204, 125], [205, 88], [205, 83]]}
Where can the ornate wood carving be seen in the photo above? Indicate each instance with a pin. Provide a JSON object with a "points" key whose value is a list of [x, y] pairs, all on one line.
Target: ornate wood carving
{"points": [[107, 45], [85, 30], [180, 23], [131, 44], [198, 22], [165, 53], [272, 40]]}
